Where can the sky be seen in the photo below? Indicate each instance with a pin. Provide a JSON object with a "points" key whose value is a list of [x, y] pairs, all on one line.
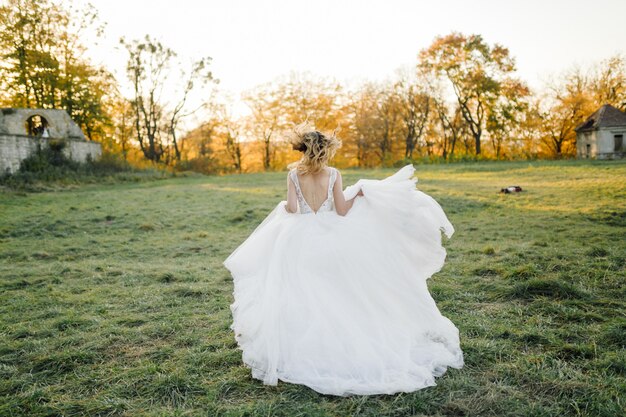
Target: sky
{"points": [[254, 42]]}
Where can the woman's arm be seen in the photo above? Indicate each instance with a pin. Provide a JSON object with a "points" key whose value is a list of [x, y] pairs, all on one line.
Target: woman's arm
{"points": [[342, 206], [292, 201]]}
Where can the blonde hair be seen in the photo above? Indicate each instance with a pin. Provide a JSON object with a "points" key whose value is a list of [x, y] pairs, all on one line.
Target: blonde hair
{"points": [[317, 148]]}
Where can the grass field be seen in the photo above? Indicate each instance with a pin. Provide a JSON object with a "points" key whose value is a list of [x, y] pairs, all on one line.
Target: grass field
{"points": [[114, 300]]}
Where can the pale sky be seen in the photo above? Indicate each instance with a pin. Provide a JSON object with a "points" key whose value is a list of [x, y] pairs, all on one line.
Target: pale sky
{"points": [[252, 42]]}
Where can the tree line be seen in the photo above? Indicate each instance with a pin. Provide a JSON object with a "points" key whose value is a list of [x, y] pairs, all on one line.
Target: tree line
{"points": [[460, 100]]}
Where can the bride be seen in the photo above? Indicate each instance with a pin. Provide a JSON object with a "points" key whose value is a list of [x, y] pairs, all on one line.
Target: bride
{"points": [[330, 289]]}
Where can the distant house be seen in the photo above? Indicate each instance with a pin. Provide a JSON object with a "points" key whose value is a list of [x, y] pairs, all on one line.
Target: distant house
{"points": [[23, 131], [601, 136]]}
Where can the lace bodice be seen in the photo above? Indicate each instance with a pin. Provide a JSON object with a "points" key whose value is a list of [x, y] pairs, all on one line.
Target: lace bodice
{"points": [[327, 205]]}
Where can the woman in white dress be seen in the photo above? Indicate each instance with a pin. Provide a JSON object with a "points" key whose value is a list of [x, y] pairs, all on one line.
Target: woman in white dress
{"points": [[330, 289]]}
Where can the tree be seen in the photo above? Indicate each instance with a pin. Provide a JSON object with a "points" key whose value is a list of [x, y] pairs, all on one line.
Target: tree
{"points": [[200, 152], [572, 96], [43, 66], [530, 131], [147, 64], [559, 122], [565, 104], [28, 37], [198, 74], [149, 69], [608, 82], [506, 113], [233, 145], [452, 127], [476, 72], [277, 106], [414, 101], [123, 129], [389, 110], [303, 96], [266, 119], [375, 115]]}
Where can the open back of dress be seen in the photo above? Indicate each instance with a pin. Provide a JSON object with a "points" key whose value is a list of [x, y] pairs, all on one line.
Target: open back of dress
{"points": [[303, 206]]}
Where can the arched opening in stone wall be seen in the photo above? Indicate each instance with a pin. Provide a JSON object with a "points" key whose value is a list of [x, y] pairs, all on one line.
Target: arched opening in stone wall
{"points": [[37, 125]]}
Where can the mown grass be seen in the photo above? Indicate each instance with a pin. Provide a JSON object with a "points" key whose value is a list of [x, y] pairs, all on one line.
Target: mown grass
{"points": [[114, 301]]}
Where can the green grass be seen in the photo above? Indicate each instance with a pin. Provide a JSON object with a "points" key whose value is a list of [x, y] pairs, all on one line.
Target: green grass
{"points": [[114, 301]]}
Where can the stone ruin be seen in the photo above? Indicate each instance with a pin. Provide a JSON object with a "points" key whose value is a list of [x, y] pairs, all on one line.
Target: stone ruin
{"points": [[23, 131]]}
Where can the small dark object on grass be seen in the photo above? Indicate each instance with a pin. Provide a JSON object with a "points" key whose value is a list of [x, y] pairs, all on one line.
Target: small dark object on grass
{"points": [[511, 189]]}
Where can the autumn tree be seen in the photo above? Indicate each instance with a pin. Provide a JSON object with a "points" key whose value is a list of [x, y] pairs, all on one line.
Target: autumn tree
{"points": [[451, 126], [122, 135], [228, 132], [307, 97], [476, 72], [607, 82], [277, 106], [569, 98], [365, 126], [530, 130], [376, 111], [415, 102], [373, 114], [266, 119], [234, 146], [506, 113], [201, 152], [558, 123], [564, 105], [43, 64]]}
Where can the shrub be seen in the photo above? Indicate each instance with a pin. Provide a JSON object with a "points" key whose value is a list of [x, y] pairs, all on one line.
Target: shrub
{"points": [[201, 165], [49, 164], [49, 160]]}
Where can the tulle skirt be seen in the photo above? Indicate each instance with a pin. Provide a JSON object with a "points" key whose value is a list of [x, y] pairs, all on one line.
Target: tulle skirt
{"points": [[340, 303]]}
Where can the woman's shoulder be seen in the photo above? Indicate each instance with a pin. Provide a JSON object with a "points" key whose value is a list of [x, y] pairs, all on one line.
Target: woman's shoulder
{"points": [[328, 168]]}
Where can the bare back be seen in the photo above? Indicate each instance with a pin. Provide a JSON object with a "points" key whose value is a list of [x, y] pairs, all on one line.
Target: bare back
{"points": [[314, 188], [321, 191]]}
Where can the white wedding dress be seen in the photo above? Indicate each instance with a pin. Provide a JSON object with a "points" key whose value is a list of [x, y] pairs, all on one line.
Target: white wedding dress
{"points": [[340, 303]]}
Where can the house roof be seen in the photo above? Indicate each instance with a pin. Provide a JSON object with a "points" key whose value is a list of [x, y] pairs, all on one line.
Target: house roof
{"points": [[605, 116]]}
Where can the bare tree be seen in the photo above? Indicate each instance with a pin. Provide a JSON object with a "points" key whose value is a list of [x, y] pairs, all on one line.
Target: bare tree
{"points": [[452, 125], [415, 105], [198, 74], [231, 131], [388, 109], [149, 69]]}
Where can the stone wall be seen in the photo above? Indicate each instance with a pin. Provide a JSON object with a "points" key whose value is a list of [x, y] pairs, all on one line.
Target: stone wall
{"points": [[606, 143], [601, 143], [60, 124], [15, 148], [79, 150]]}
